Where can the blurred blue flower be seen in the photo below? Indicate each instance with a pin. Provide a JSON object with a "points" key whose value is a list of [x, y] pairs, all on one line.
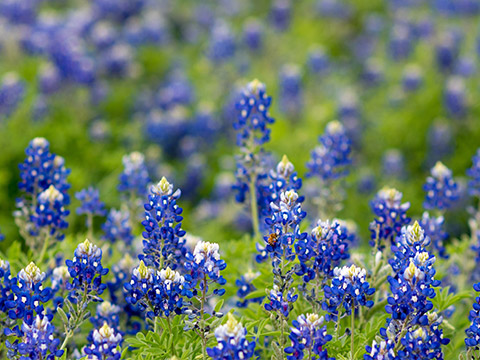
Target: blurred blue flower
{"points": [[441, 189]]}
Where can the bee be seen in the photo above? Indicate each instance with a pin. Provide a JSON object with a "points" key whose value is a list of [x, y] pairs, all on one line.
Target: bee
{"points": [[272, 239]]}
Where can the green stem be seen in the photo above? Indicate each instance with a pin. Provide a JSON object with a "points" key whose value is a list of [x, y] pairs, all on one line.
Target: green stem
{"points": [[254, 208], [44, 248], [170, 335], [202, 312], [352, 342]]}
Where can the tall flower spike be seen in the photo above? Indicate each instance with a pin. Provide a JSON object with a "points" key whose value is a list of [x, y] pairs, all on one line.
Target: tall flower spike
{"points": [[323, 250], [412, 327], [232, 342], [86, 270], [134, 177], [441, 190], [472, 339], [117, 227], [161, 293], [329, 161], [50, 213], [308, 336], [103, 344], [29, 295], [41, 169], [349, 290], [204, 267], [390, 216], [474, 175], [164, 242], [281, 179], [12, 91], [435, 229], [90, 202], [253, 115], [251, 125], [38, 341]]}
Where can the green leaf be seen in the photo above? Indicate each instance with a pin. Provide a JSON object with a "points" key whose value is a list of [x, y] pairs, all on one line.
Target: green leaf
{"points": [[219, 305]]}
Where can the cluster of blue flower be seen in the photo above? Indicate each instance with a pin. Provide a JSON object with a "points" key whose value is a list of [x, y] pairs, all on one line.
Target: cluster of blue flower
{"points": [[178, 275]]}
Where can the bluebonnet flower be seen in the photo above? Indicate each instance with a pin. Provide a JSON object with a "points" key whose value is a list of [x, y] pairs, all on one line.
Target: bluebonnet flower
{"points": [[41, 169], [2, 237], [253, 34], [424, 342], [117, 227], [122, 272], [441, 190], [251, 125], [40, 108], [474, 174], [281, 14], [29, 295], [253, 115], [334, 9], [349, 114], [204, 266], [285, 219], [5, 285], [330, 160], [447, 51], [291, 92], [106, 313], [269, 189], [90, 202], [349, 290], [232, 342], [373, 72], [24, 13], [50, 213], [322, 251], [37, 341], [440, 141], [394, 164], [318, 60], [86, 270], [49, 79], [116, 60], [167, 128], [12, 91], [472, 338], [412, 78], [222, 43], [400, 42], [280, 302], [161, 293], [465, 67], [412, 287], [60, 278], [390, 216], [435, 229], [246, 287], [384, 350], [163, 242], [134, 177], [308, 338], [104, 343], [455, 97]]}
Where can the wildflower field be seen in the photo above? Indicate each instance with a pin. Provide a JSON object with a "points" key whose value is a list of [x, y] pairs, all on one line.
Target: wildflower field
{"points": [[234, 179]]}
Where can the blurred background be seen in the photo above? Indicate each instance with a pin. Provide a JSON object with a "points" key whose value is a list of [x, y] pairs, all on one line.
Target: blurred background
{"points": [[102, 78]]}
